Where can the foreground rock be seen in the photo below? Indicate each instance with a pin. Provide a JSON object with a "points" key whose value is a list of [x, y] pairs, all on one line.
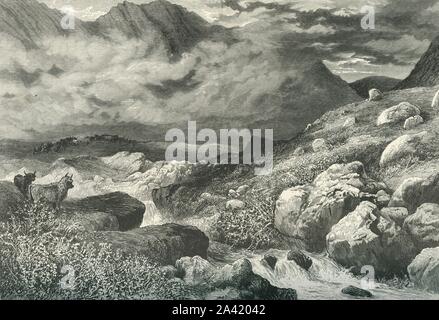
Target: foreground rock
{"points": [[424, 270], [364, 238], [194, 270], [415, 191], [423, 225], [308, 212], [11, 200], [398, 113], [164, 244], [93, 221], [128, 210], [403, 146], [356, 292]]}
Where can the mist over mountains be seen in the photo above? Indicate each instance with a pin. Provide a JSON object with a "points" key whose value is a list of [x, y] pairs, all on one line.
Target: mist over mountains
{"points": [[154, 65]]}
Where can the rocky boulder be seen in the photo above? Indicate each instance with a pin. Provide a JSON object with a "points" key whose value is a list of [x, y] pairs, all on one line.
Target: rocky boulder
{"points": [[395, 214], [270, 261], [11, 199], [235, 205], [364, 238], [356, 292], [299, 151], [319, 145], [349, 122], [308, 212], [127, 162], [413, 122], [128, 210], [423, 225], [301, 259], [195, 270], [375, 95], [164, 244], [415, 191], [403, 146], [90, 222], [398, 113], [424, 270]]}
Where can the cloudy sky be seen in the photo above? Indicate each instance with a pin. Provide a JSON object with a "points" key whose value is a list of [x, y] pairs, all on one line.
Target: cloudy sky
{"points": [[328, 29]]}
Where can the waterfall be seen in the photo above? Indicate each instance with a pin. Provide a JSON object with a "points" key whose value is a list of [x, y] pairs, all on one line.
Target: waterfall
{"points": [[152, 215]]}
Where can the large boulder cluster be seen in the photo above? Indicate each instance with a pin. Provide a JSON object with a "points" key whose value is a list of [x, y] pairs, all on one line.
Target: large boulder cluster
{"points": [[309, 211]]}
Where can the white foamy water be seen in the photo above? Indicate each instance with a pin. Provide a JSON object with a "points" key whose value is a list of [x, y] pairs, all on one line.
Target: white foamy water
{"points": [[325, 279]]}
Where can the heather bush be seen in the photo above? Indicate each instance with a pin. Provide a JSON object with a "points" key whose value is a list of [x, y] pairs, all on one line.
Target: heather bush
{"points": [[251, 227], [43, 259]]}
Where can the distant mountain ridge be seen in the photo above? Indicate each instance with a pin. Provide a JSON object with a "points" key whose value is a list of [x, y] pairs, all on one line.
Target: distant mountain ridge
{"points": [[29, 21], [384, 84], [160, 23], [234, 84], [426, 71]]}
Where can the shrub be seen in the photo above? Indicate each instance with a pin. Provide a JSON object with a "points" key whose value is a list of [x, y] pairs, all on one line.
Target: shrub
{"points": [[252, 227], [36, 249]]}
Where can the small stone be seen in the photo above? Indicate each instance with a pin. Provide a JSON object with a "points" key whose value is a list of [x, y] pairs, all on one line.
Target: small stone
{"points": [[383, 198], [413, 122], [233, 193], [299, 151], [356, 292], [349, 122], [375, 95], [270, 260], [319, 145], [234, 205], [242, 189], [300, 259]]}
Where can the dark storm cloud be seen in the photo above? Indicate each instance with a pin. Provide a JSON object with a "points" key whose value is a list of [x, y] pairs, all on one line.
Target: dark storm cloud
{"points": [[403, 30]]}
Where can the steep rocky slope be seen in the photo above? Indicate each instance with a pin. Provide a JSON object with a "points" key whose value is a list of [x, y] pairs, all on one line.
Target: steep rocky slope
{"points": [[30, 22], [426, 71], [158, 23]]}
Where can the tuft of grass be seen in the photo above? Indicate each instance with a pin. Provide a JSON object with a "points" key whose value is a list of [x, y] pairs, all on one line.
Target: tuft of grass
{"points": [[251, 227]]}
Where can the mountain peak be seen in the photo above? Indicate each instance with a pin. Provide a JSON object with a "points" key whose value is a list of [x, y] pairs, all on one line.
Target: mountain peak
{"points": [[157, 22]]}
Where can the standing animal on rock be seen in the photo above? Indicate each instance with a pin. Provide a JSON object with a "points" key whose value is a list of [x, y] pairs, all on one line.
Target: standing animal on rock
{"points": [[53, 193], [23, 182]]}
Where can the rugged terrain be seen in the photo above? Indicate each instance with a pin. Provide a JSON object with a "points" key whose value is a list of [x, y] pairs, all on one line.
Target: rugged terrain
{"points": [[334, 202], [425, 73]]}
